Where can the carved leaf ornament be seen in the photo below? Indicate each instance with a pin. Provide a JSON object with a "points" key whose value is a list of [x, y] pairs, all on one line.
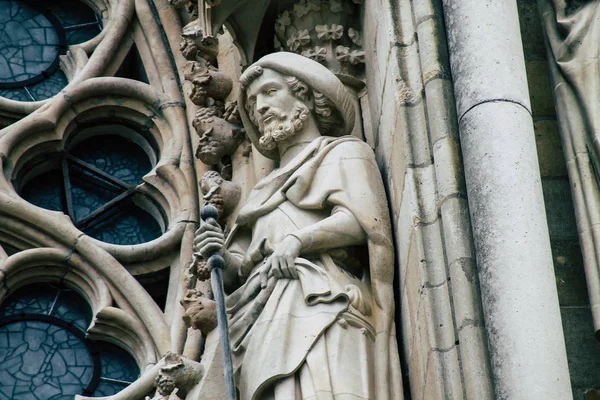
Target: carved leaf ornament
{"points": [[301, 38], [317, 53], [329, 32]]}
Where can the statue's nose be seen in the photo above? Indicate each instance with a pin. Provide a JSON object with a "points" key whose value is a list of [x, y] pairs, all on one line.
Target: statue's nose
{"points": [[261, 106]]}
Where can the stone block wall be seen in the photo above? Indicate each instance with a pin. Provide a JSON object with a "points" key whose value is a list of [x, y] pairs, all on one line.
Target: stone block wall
{"points": [[409, 107], [583, 350], [384, 111]]}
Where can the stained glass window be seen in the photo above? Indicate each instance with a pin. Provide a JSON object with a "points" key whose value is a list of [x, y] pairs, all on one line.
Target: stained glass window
{"points": [[118, 370], [94, 182], [33, 34], [44, 354]]}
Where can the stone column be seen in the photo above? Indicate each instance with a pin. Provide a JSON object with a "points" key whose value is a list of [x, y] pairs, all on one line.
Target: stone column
{"points": [[512, 244]]}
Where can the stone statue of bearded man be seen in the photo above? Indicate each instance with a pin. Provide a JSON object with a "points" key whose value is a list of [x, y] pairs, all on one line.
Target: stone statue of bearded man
{"points": [[309, 261]]}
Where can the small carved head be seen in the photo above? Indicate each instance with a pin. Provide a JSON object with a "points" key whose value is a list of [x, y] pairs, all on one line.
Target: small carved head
{"points": [[188, 48], [218, 137], [207, 82], [200, 312], [177, 377]]}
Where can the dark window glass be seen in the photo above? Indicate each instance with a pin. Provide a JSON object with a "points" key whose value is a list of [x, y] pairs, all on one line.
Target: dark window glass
{"points": [[77, 19], [29, 42], [118, 157], [46, 191], [41, 360], [94, 183], [33, 34], [44, 354], [38, 299], [130, 225], [118, 370]]}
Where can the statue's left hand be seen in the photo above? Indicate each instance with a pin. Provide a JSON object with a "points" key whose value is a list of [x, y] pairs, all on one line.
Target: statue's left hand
{"points": [[281, 263]]}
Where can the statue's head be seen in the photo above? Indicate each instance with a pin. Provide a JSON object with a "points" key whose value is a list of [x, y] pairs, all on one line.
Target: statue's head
{"points": [[282, 90], [218, 137]]}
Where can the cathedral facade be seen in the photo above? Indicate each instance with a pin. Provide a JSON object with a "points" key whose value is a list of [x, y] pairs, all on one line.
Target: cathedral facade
{"points": [[421, 221]]}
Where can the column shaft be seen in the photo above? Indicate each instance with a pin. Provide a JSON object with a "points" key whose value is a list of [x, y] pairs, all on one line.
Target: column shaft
{"points": [[519, 295]]}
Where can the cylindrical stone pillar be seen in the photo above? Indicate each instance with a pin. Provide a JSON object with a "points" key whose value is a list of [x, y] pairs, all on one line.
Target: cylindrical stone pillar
{"points": [[518, 288]]}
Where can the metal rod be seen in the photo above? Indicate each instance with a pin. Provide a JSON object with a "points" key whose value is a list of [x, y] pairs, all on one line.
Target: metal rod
{"points": [[106, 207], [68, 188], [29, 94], [71, 27], [119, 381], [105, 176]]}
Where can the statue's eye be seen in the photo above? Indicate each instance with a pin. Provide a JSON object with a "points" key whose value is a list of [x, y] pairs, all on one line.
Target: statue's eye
{"points": [[271, 92]]}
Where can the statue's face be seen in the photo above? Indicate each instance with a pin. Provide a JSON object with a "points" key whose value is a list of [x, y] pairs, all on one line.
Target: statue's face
{"points": [[279, 114], [271, 97]]}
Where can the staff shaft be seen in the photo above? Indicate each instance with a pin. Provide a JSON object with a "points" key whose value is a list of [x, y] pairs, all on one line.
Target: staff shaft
{"points": [[216, 279]]}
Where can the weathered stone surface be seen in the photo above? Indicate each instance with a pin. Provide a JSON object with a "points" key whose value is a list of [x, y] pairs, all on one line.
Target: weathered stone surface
{"points": [[513, 252], [485, 67], [443, 122], [574, 51], [377, 31]]}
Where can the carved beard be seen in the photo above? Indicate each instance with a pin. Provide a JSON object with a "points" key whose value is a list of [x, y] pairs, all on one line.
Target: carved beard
{"points": [[282, 126]]}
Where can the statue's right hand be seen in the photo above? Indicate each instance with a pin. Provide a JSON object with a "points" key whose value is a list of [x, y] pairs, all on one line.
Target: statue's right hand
{"points": [[209, 239]]}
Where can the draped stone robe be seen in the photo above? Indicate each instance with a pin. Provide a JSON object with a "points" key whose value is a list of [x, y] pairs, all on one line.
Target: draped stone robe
{"points": [[329, 334], [573, 36]]}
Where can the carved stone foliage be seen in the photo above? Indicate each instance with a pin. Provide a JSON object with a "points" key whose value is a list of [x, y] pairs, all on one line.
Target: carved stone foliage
{"points": [[327, 31]]}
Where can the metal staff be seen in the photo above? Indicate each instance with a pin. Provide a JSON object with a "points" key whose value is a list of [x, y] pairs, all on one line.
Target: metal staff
{"points": [[209, 214]]}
